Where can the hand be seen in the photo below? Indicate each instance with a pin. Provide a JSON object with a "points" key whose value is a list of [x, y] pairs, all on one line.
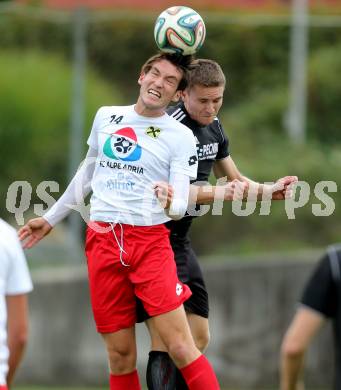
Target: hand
{"points": [[235, 190], [283, 188], [34, 231], [164, 193]]}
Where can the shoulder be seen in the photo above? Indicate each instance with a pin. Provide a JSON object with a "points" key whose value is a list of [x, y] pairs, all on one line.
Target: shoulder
{"points": [[107, 111], [177, 112], [7, 231], [217, 126], [334, 259], [179, 127], [9, 242]]}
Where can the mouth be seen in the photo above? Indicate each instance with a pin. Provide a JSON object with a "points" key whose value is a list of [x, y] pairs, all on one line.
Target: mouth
{"points": [[154, 93]]}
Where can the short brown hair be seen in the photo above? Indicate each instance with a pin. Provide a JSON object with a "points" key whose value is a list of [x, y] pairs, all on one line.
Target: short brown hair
{"points": [[181, 62], [206, 73]]}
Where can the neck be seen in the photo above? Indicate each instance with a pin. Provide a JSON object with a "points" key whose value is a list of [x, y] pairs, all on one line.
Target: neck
{"points": [[143, 110]]}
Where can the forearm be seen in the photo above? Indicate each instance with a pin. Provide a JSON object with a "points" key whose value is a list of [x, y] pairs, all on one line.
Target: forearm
{"points": [[202, 194], [17, 349], [181, 190], [222, 191], [77, 190], [17, 331], [291, 367], [257, 191]]}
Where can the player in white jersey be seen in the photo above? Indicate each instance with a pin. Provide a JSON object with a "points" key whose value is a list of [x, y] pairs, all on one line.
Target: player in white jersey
{"points": [[15, 283], [137, 151]]}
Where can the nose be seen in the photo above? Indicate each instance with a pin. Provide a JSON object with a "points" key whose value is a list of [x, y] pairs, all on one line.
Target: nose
{"points": [[158, 82], [210, 108]]}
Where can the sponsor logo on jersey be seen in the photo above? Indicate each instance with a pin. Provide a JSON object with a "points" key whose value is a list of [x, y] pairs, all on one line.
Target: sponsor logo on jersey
{"points": [[114, 184], [207, 151], [122, 145], [119, 165], [192, 160], [153, 132]]}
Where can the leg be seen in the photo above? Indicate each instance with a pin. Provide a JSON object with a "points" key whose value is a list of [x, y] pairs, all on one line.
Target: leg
{"points": [[175, 333], [158, 286], [121, 349], [114, 308], [200, 330], [161, 371], [160, 368]]}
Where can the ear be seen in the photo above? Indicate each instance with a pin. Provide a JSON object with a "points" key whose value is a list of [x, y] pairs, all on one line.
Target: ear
{"points": [[177, 96], [184, 94], [140, 79]]}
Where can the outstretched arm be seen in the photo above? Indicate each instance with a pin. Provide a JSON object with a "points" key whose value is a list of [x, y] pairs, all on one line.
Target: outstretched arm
{"points": [[300, 333], [173, 196], [232, 190], [77, 190], [280, 190]]}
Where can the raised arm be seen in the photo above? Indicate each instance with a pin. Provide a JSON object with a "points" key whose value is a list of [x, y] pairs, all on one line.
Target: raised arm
{"points": [[173, 196], [77, 190], [280, 190]]}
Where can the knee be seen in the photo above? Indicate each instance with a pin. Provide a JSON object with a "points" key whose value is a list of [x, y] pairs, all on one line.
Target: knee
{"points": [[202, 340], [121, 360], [291, 349], [179, 351]]}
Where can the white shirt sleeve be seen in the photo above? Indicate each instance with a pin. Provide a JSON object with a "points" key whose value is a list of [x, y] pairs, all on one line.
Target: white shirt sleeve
{"points": [[185, 160], [93, 138], [180, 183], [18, 279], [77, 190]]}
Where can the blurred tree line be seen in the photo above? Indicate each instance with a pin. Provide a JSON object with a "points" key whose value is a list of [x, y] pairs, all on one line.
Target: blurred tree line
{"points": [[35, 82]]}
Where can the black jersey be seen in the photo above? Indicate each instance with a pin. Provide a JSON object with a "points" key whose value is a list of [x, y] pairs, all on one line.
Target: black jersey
{"points": [[212, 144], [323, 294]]}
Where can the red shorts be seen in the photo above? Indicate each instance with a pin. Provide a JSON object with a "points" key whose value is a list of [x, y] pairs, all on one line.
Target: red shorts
{"points": [[143, 268], [3, 387]]}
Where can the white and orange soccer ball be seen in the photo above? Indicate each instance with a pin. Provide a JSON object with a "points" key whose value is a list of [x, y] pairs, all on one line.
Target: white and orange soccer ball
{"points": [[179, 30]]}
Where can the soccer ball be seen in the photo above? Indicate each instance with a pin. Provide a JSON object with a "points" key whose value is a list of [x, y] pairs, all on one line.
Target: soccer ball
{"points": [[179, 30]]}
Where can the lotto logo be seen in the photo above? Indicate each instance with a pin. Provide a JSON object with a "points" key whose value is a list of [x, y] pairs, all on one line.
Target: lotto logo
{"points": [[192, 160], [178, 289]]}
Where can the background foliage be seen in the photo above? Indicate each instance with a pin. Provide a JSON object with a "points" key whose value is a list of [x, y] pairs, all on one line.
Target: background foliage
{"points": [[35, 87]]}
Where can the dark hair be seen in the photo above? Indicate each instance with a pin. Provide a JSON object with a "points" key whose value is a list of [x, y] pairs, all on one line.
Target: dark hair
{"points": [[207, 73], [181, 62]]}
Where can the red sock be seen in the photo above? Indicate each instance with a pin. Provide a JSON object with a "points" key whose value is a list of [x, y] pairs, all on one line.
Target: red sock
{"points": [[127, 381], [200, 375]]}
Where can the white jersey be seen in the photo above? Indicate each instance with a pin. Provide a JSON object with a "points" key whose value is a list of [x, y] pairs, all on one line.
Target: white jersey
{"points": [[134, 152], [14, 280]]}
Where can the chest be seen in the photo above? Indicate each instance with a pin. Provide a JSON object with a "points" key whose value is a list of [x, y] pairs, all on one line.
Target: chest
{"points": [[207, 143], [144, 143]]}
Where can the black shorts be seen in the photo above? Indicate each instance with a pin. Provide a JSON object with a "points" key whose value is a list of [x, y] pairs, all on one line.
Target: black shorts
{"points": [[189, 272]]}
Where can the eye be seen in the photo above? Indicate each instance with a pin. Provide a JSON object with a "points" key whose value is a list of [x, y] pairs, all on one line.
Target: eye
{"points": [[171, 81]]}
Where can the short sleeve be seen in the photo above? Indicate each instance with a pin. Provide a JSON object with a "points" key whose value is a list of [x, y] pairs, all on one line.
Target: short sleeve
{"points": [[223, 146], [18, 277], [319, 293], [93, 137], [185, 159]]}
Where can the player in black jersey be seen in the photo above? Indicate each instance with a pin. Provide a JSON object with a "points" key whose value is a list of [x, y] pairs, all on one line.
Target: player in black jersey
{"points": [[321, 300], [198, 110]]}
